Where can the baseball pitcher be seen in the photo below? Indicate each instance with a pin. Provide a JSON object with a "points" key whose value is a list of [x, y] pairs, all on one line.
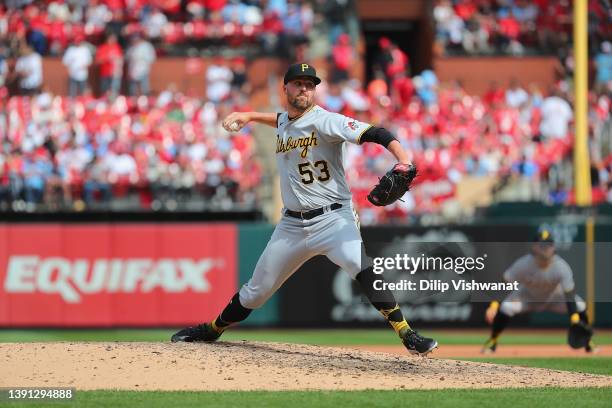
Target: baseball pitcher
{"points": [[318, 216]]}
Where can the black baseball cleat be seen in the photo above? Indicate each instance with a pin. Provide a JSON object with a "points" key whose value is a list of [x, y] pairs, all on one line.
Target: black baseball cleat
{"points": [[417, 344], [202, 332], [591, 347], [489, 347]]}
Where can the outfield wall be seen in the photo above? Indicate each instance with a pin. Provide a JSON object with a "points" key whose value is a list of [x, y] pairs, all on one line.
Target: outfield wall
{"points": [[172, 274]]}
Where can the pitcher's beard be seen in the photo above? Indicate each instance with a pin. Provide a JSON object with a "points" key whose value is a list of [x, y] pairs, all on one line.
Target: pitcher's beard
{"points": [[300, 104]]}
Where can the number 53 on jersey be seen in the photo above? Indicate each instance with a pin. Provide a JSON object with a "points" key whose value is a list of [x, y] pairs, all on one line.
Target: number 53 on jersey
{"points": [[310, 171]]}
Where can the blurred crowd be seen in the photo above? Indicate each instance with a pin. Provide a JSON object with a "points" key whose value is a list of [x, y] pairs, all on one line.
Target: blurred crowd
{"points": [[162, 153], [516, 27], [517, 134], [173, 26], [124, 148], [117, 41]]}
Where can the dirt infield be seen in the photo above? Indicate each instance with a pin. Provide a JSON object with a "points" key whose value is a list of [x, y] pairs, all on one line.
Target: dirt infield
{"points": [[470, 351], [255, 366]]}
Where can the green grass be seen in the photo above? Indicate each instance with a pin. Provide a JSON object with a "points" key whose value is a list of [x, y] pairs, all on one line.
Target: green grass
{"points": [[537, 397], [322, 337], [592, 365]]}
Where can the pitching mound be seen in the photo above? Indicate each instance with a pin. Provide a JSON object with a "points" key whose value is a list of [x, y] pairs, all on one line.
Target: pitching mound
{"points": [[255, 366]]}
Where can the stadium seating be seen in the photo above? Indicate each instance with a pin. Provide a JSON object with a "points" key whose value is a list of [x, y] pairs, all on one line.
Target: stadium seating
{"points": [[51, 26], [462, 136], [130, 153], [514, 27]]}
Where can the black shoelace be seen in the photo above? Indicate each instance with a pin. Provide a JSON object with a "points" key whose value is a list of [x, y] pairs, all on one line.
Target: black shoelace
{"points": [[414, 336]]}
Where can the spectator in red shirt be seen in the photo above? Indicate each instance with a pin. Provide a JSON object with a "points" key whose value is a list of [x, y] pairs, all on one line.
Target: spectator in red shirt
{"points": [[342, 57], [214, 5], [494, 95], [402, 89], [465, 9], [510, 27], [170, 7], [508, 35], [114, 4], [399, 62], [110, 60]]}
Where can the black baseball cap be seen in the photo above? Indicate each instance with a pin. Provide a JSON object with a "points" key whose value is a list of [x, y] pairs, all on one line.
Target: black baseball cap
{"points": [[545, 236], [301, 69]]}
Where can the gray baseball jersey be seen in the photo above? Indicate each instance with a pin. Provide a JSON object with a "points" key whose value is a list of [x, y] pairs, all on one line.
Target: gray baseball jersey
{"points": [[310, 156], [537, 282], [539, 289]]}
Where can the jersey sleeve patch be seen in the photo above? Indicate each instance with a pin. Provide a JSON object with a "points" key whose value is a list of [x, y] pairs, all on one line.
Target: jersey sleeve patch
{"points": [[353, 129], [353, 125]]}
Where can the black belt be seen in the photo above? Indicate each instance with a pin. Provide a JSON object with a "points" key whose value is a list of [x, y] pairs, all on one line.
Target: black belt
{"points": [[307, 215]]}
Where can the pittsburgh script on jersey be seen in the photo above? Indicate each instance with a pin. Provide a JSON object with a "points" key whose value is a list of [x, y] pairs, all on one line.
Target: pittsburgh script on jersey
{"points": [[303, 142]]}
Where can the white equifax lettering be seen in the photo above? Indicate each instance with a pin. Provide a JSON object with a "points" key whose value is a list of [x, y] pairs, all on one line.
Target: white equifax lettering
{"points": [[73, 278]]}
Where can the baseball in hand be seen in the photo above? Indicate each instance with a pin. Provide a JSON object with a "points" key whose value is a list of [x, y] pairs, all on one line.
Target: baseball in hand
{"points": [[234, 126]]}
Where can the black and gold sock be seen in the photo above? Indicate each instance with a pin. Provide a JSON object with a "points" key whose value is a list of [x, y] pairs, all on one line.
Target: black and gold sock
{"points": [[233, 313], [499, 324], [396, 319], [382, 300]]}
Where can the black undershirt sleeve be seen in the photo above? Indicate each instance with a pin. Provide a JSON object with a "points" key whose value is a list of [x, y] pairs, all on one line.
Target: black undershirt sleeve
{"points": [[377, 135], [277, 117]]}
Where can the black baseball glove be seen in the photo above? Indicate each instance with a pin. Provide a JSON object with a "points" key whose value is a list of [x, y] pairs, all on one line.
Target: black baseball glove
{"points": [[579, 335], [393, 185]]}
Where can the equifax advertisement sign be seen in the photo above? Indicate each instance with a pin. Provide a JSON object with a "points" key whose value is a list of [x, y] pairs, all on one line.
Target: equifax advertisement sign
{"points": [[115, 275]]}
